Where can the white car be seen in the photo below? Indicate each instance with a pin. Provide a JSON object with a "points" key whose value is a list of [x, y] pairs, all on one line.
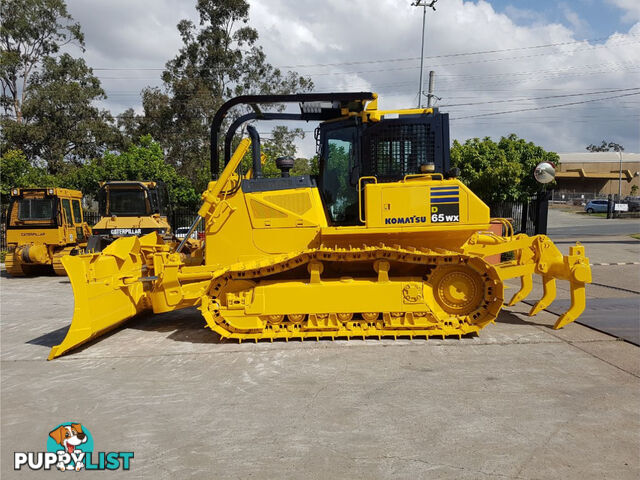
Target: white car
{"points": [[181, 232]]}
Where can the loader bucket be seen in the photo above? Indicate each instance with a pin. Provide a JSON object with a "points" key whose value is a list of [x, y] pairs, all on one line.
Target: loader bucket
{"points": [[107, 291]]}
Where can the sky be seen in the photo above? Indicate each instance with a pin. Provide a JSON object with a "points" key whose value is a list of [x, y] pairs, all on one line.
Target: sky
{"points": [[562, 74]]}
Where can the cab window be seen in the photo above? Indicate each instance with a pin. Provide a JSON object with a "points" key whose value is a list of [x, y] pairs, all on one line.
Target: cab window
{"points": [[66, 205], [77, 211], [35, 209], [132, 203], [340, 196]]}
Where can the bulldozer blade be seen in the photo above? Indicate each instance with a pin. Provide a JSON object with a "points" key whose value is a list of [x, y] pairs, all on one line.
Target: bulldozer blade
{"points": [[578, 304], [106, 290], [549, 294], [525, 289]]}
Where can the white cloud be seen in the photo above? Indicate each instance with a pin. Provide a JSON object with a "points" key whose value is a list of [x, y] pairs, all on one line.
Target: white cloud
{"points": [[304, 32], [578, 24], [631, 8]]}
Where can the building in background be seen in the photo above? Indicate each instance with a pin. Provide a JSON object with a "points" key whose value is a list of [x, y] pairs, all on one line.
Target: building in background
{"points": [[596, 174]]}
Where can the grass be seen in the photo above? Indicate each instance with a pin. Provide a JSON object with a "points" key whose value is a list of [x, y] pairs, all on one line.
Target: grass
{"points": [[635, 235], [596, 214]]}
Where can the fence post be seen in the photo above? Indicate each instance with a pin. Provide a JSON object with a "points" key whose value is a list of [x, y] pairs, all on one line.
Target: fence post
{"points": [[542, 212], [525, 216]]}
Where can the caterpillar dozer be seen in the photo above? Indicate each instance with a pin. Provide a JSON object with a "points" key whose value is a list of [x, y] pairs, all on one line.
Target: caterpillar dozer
{"points": [[43, 225], [384, 242], [129, 208]]}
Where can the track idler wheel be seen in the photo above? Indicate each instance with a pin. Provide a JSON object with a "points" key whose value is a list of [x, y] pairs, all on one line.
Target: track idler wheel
{"points": [[458, 289]]}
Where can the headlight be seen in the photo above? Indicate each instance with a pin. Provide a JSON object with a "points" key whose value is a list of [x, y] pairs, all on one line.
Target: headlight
{"points": [[15, 191]]}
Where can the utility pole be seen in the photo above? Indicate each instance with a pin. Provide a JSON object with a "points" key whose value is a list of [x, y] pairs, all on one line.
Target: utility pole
{"points": [[430, 95], [620, 176], [421, 3]]}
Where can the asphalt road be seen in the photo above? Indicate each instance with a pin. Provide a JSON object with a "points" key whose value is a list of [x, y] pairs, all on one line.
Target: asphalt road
{"points": [[568, 224]]}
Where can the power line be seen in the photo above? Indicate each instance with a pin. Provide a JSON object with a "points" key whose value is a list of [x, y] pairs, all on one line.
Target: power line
{"points": [[546, 106], [539, 98]]}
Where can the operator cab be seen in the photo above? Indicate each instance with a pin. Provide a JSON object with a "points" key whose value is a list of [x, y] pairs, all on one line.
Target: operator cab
{"points": [[131, 199], [46, 208], [388, 150], [354, 140]]}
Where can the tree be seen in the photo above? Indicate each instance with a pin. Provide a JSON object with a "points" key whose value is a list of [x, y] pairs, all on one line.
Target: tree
{"points": [[219, 59], [17, 172], [49, 97], [605, 147], [143, 160], [500, 171], [281, 143], [31, 31]]}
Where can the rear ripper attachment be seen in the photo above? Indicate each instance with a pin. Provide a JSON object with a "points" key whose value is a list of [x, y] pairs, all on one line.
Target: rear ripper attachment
{"points": [[384, 242]]}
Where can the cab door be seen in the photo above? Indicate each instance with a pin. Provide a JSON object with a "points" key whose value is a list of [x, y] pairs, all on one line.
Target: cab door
{"points": [[78, 219], [69, 230]]}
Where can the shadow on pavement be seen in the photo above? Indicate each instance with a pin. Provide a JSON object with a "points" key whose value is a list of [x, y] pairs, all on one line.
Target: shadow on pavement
{"points": [[50, 339], [185, 326], [508, 317], [182, 326], [188, 326]]}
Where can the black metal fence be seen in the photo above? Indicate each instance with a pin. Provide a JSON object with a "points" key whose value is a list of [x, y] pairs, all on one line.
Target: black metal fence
{"points": [[183, 218], [91, 218], [3, 229], [529, 216]]}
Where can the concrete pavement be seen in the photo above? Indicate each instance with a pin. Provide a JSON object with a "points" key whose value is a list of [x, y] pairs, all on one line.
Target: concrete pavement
{"points": [[518, 401]]}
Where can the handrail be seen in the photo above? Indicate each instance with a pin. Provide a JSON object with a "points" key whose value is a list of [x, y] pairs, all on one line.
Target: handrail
{"points": [[375, 180], [419, 175]]}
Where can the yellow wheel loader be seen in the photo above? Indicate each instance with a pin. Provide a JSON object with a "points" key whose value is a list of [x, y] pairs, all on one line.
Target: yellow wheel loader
{"points": [[384, 242], [129, 208], [43, 225]]}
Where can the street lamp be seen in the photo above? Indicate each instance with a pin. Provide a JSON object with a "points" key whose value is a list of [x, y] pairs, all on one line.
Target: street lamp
{"points": [[421, 3]]}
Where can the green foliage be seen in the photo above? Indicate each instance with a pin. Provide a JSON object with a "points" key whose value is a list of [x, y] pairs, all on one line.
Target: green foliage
{"points": [[605, 147], [31, 30], [143, 160], [17, 171], [303, 166], [500, 171], [49, 97], [280, 143], [219, 59], [60, 124]]}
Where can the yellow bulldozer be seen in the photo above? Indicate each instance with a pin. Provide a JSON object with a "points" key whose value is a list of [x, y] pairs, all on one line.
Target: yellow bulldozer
{"points": [[129, 208], [384, 242], [43, 225]]}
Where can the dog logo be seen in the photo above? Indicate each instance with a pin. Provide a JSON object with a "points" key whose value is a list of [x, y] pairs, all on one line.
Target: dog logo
{"points": [[70, 447], [70, 437]]}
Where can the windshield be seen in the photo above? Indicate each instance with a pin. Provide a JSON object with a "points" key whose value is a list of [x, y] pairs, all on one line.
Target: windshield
{"points": [[35, 209], [130, 203]]}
